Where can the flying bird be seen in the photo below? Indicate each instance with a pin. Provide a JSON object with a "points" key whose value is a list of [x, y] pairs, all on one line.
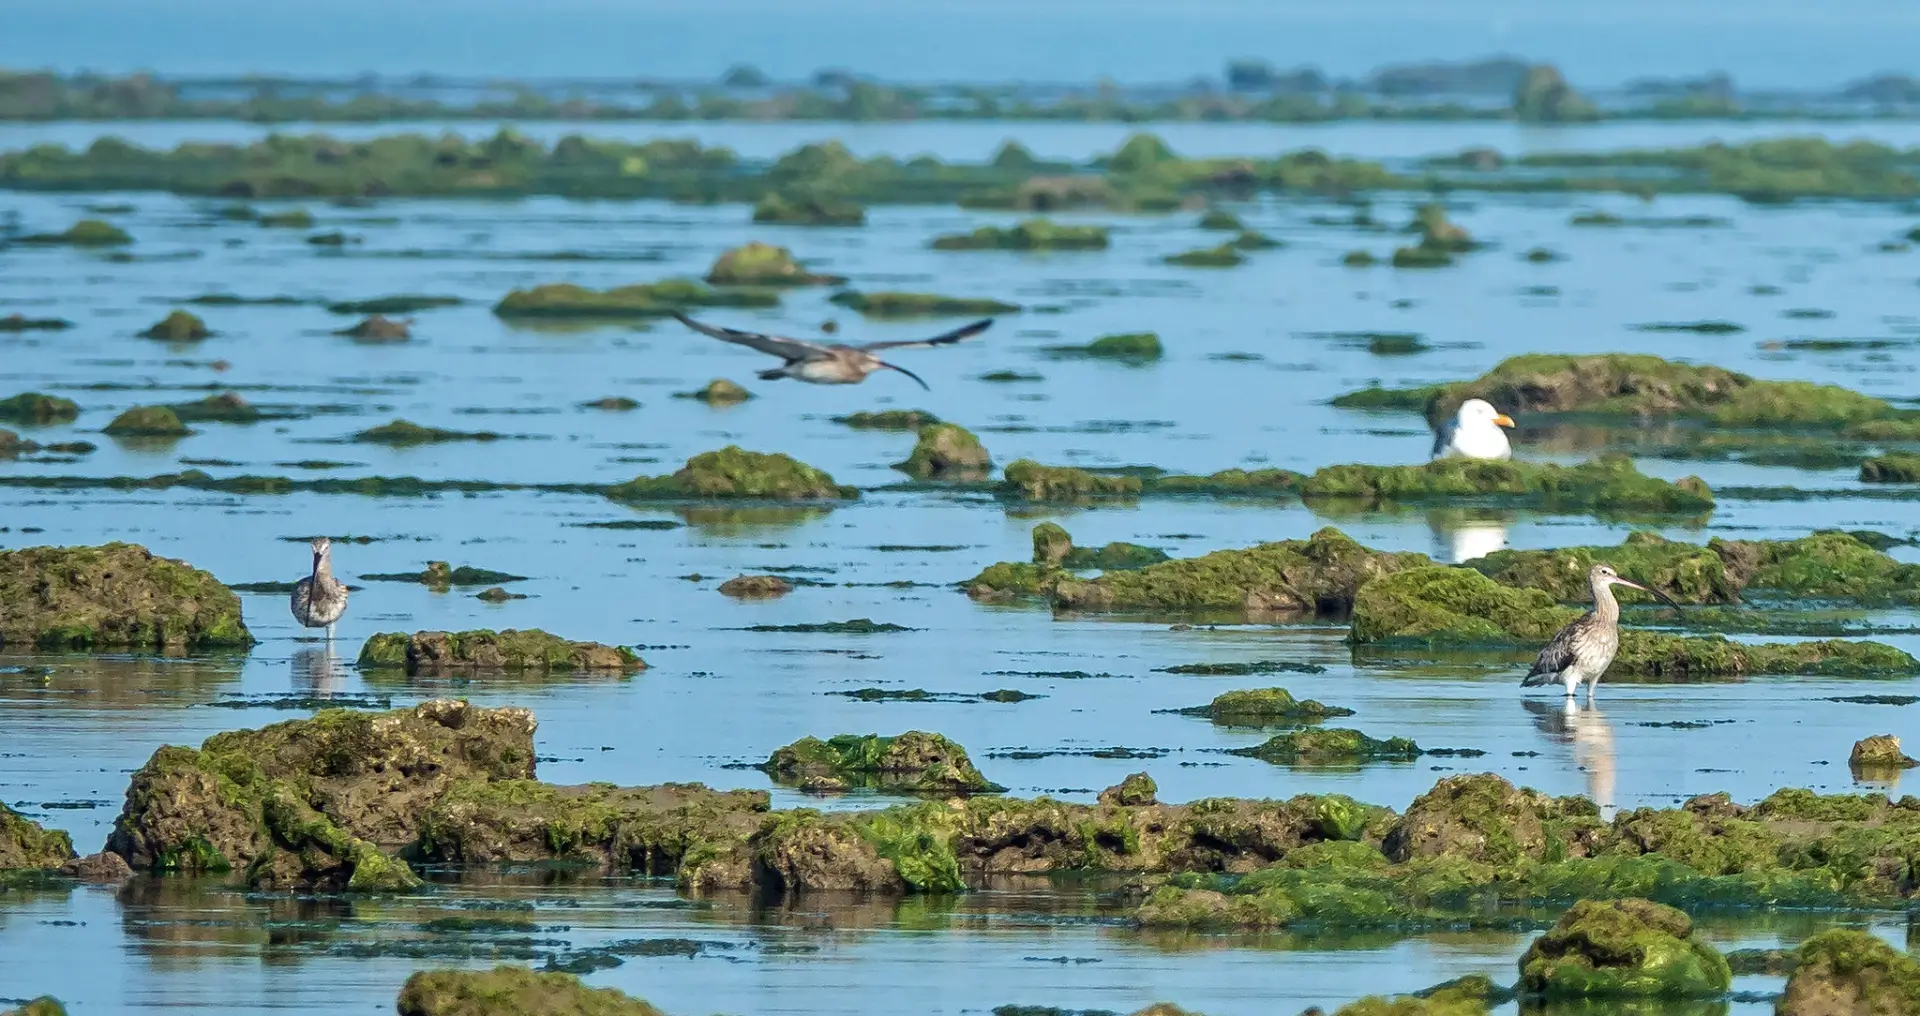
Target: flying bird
{"points": [[823, 363], [1583, 649], [1474, 433], [320, 599]]}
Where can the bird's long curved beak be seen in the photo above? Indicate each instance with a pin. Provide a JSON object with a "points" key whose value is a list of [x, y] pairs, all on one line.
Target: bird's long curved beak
{"points": [[907, 372], [1657, 594], [1503, 420]]}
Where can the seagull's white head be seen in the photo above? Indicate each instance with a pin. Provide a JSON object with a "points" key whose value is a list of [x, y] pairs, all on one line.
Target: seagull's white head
{"points": [[1479, 413]]}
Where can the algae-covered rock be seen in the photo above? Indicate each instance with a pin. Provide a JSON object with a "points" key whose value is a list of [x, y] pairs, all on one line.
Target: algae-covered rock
{"points": [[1330, 746], [1688, 572], [888, 419], [756, 587], [1221, 221], [45, 1005], [1609, 482], [1421, 256], [1484, 818], [18, 322], [1893, 467], [1033, 234], [406, 433], [718, 392], [147, 421], [735, 473], [178, 326], [1358, 259], [808, 210], [947, 451], [226, 407], [613, 404], [1616, 949], [84, 233], [23, 844], [1473, 995], [1136, 790], [1258, 707], [441, 575], [649, 300], [1116, 556], [903, 305], [1318, 575], [1881, 751], [38, 409], [914, 762], [1051, 544], [1827, 566], [1673, 657], [1226, 255], [763, 264], [319, 803], [512, 989], [1253, 239], [1437, 232], [1129, 347], [1844, 972], [292, 218], [115, 596], [440, 652], [377, 328], [1545, 97]]}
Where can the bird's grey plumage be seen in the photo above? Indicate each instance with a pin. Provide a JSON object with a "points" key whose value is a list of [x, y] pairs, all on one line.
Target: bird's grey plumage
{"points": [[1442, 437], [319, 599], [1582, 651], [828, 363]]}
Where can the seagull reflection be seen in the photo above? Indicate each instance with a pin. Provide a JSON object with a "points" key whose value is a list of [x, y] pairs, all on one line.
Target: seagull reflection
{"points": [[1587, 730], [1457, 539], [315, 670]]}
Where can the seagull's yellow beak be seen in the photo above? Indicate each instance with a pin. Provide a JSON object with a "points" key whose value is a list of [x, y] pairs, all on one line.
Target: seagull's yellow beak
{"points": [[1503, 420]]}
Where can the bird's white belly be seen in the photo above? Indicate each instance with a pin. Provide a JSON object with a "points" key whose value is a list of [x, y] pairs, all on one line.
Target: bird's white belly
{"points": [[1482, 442], [824, 372]]}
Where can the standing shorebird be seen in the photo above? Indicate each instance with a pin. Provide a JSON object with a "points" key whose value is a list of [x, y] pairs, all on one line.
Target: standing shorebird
{"points": [[1582, 650], [828, 363], [320, 599], [1474, 433]]}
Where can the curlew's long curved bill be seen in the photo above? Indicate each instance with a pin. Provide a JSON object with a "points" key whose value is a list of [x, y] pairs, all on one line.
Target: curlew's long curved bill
{"points": [[905, 371], [1657, 594]]}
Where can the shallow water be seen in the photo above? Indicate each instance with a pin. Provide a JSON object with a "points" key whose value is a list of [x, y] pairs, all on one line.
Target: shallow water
{"points": [[716, 695]]}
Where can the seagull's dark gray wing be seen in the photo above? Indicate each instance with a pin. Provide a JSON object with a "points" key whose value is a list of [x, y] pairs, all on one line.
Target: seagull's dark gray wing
{"points": [[1442, 435], [944, 339], [1557, 656], [778, 345]]}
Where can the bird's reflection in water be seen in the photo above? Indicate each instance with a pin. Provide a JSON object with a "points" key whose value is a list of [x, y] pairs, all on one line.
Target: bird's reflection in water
{"points": [[1586, 729], [315, 670], [1458, 537]]}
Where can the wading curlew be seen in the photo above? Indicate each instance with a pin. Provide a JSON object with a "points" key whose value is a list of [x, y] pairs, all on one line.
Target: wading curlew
{"points": [[1582, 650], [828, 363], [320, 599]]}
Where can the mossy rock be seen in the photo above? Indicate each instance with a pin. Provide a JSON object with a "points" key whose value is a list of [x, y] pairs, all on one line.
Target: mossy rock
{"points": [[1116, 556], [735, 473], [650, 300], [763, 264], [292, 218], [914, 762], [1035, 482], [512, 989], [25, 845], [613, 404], [1678, 658], [178, 326], [807, 210], [397, 303], [1881, 751], [405, 433], [17, 322], [1422, 256], [1607, 483], [226, 407], [888, 419], [907, 305], [1226, 255], [1140, 346], [84, 233], [481, 651], [441, 575], [1829, 566], [377, 328], [38, 409], [1220, 220], [1359, 259], [1617, 949], [1543, 96], [115, 596], [1253, 239], [1318, 575], [1135, 791], [1260, 707], [1330, 746], [1688, 572], [1015, 580], [147, 421], [717, 392], [1893, 467], [1051, 545], [755, 587], [1484, 819], [1033, 234], [1473, 995], [947, 451], [1849, 971], [45, 1005], [1437, 232]]}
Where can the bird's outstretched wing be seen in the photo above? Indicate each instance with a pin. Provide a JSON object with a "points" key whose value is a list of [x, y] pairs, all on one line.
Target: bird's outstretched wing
{"points": [[778, 345], [1556, 657], [944, 339]]}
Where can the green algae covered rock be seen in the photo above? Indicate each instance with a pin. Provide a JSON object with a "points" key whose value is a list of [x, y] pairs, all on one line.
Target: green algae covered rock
{"points": [[947, 451], [84, 233], [735, 473], [24, 845], [1845, 971], [1221, 221], [440, 652], [1136, 790], [226, 407], [1893, 467], [763, 264], [1674, 657], [115, 596], [1259, 707], [1015, 580], [406, 433], [45, 1005], [1226, 255], [1473, 995], [650, 300], [914, 762], [1485, 819], [1116, 556], [808, 210], [905, 305], [1318, 575], [888, 419], [321, 803], [1688, 572], [1033, 234], [512, 989], [147, 421], [1879, 752], [1035, 482], [718, 392], [1630, 948], [1829, 565], [1051, 544], [1609, 483], [1330, 746], [1133, 346], [1544, 96], [38, 409], [178, 326]]}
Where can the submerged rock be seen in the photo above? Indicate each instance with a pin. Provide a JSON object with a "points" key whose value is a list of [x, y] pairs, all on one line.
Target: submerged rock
{"points": [[718, 392], [1845, 971], [647, 300], [808, 210], [763, 264], [178, 326], [947, 451], [1614, 949], [1132, 347], [900, 305], [756, 587], [37, 409], [1330, 746], [441, 575], [1226, 255], [914, 762], [613, 404], [115, 596], [377, 328], [1318, 575], [226, 407], [1033, 234], [405, 433], [17, 322], [889, 419], [1257, 707], [147, 421], [84, 233], [735, 473], [511, 989], [24, 844], [439, 652]]}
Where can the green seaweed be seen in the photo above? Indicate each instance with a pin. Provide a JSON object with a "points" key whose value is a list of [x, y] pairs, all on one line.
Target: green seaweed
{"points": [[1033, 234], [735, 473]]}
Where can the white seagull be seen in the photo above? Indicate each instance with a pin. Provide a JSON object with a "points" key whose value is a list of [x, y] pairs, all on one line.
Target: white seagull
{"points": [[1474, 433]]}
